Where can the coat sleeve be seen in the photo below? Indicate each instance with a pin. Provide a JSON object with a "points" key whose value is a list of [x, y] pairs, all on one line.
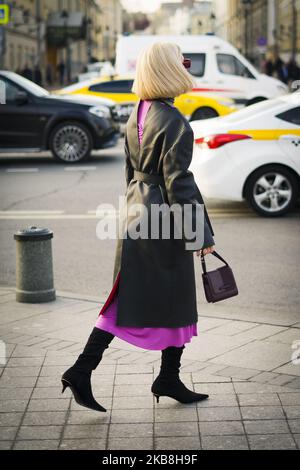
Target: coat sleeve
{"points": [[128, 166], [182, 189]]}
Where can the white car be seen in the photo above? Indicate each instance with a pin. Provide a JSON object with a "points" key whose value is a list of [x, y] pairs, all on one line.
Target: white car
{"points": [[217, 66], [252, 154]]}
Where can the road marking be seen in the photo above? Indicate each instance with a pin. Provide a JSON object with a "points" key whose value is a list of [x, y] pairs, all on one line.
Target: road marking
{"points": [[21, 170], [80, 168]]}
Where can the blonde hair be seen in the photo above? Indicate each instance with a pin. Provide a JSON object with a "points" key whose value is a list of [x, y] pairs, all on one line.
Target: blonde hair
{"points": [[160, 72]]}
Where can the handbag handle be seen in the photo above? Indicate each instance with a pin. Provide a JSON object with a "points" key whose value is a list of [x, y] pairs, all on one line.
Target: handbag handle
{"points": [[216, 255]]}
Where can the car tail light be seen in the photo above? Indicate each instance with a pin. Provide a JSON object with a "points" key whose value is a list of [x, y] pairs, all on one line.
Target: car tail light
{"points": [[215, 141]]}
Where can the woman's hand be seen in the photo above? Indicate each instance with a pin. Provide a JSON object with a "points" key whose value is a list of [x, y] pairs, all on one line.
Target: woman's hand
{"points": [[207, 250]]}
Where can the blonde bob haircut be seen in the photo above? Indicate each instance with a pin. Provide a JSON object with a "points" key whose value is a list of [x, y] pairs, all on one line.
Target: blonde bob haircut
{"points": [[160, 72]]}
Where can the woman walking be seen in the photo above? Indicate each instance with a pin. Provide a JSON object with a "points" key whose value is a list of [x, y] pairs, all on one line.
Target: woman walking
{"points": [[153, 300]]}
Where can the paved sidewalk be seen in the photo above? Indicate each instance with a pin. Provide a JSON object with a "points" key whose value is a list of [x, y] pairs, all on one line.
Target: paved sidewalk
{"points": [[245, 367]]}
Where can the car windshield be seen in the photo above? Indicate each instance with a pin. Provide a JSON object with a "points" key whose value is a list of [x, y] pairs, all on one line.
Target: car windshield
{"points": [[28, 85]]}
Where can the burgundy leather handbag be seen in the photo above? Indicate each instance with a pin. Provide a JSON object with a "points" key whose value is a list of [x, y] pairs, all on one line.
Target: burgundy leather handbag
{"points": [[219, 284]]}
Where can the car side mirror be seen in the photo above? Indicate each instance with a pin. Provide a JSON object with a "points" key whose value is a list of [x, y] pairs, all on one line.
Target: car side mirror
{"points": [[21, 98]]}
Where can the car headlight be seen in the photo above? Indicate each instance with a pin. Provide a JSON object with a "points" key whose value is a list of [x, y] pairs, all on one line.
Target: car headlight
{"points": [[100, 111], [124, 110]]}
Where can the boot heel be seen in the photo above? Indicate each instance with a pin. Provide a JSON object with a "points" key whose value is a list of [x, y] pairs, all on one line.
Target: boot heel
{"points": [[65, 385], [157, 397]]}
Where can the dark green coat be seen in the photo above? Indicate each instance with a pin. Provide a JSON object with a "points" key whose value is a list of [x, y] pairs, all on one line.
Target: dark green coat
{"points": [[157, 280]]}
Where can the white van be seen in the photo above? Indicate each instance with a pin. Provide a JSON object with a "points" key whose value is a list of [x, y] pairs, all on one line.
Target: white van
{"points": [[217, 66]]}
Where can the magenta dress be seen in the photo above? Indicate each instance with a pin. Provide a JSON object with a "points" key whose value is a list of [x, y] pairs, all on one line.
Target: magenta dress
{"points": [[152, 338]]}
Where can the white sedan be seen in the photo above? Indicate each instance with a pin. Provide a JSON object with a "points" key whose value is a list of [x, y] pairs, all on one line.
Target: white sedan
{"points": [[252, 154]]}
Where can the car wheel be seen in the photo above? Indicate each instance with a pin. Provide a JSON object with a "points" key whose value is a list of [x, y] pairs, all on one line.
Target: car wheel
{"points": [[204, 113], [272, 191], [71, 142]]}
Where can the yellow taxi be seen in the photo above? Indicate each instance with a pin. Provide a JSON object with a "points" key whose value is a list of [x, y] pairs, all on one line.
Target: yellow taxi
{"points": [[194, 105]]}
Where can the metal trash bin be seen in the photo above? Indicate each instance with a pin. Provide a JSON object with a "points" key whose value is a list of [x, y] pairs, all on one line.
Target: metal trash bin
{"points": [[34, 268]]}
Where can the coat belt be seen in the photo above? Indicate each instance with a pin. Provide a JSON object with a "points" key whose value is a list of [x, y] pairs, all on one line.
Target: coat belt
{"points": [[154, 178]]}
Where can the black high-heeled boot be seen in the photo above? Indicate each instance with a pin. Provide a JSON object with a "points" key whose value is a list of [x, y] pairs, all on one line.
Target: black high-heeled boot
{"points": [[78, 377], [168, 383]]}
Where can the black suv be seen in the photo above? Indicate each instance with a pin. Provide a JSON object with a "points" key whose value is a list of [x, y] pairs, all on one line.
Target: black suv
{"points": [[32, 119]]}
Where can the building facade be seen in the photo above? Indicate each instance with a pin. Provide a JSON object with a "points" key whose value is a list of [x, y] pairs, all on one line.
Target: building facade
{"points": [[51, 34], [260, 27]]}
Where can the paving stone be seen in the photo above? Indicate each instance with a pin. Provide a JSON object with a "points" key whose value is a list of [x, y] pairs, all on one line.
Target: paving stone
{"points": [[271, 441], [88, 417], [290, 369], [248, 399], [290, 398], [52, 371], [262, 412], [17, 382], [10, 419], [294, 425], [176, 429], [134, 379], [12, 406], [6, 445], [193, 366], [60, 360], [15, 393], [282, 379], [178, 415], [126, 403], [139, 416], [292, 411], [238, 372], [7, 433], [258, 388], [214, 388], [25, 361], [25, 371], [264, 377], [260, 332], [49, 392], [224, 443], [228, 399], [44, 418], [233, 327], [273, 426], [83, 444], [24, 351], [134, 369], [212, 428], [131, 390], [137, 443], [202, 377], [295, 383], [219, 413], [297, 440], [39, 432], [36, 445], [211, 369], [85, 431], [175, 443], [260, 355], [131, 430], [59, 404]]}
